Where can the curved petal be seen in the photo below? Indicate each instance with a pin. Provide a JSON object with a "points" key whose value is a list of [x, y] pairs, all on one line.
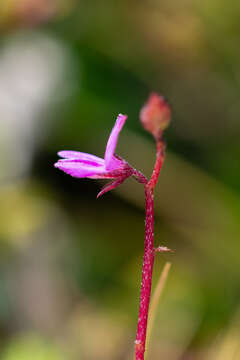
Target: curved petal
{"points": [[78, 169], [110, 161], [111, 186], [67, 154]]}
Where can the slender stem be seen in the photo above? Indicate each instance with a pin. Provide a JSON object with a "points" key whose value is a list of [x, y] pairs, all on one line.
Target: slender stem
{"points": [[147, 269], [160, 156], [149, 254], [140, 177]]}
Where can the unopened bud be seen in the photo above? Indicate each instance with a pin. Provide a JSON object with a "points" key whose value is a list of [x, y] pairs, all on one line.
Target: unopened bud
{"points": [[155, 115]]}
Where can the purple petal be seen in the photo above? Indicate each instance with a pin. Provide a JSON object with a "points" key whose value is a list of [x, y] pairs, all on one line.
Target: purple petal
{"points": [[110, 161], [81, 162], [78, 169], [67, 154]]}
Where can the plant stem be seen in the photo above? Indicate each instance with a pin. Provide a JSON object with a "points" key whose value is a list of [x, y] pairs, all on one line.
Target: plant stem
{"points": [[149, 254], [160, 156], [147, 269]]}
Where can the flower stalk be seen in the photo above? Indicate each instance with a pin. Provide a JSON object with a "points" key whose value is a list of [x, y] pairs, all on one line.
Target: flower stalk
{"points": [[147, 270], [155, 117], [149, 255]]}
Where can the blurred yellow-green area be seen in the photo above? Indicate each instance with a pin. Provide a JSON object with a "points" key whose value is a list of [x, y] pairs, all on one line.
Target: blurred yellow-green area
{"points": [[70, 265]]}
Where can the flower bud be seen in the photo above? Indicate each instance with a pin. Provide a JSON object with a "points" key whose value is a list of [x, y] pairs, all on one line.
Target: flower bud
{"points": [[155, 115]]}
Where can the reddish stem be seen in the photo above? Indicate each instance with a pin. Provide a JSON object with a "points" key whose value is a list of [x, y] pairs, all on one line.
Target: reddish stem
{"points": [[149, 253], [160, 155], [147, 269]]}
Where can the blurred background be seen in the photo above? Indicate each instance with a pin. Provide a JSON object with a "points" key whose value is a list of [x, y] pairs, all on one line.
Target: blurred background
{"points": [[70, 265]]}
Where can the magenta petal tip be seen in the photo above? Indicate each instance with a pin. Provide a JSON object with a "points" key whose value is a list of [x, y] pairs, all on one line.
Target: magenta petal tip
{"points": [[112, 141]]}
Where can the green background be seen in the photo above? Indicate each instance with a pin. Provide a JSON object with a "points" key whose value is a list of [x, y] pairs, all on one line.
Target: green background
{"points": [[70, 265]]}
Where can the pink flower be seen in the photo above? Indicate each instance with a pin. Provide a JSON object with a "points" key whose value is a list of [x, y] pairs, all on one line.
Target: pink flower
{"points": [[83, 165]]}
